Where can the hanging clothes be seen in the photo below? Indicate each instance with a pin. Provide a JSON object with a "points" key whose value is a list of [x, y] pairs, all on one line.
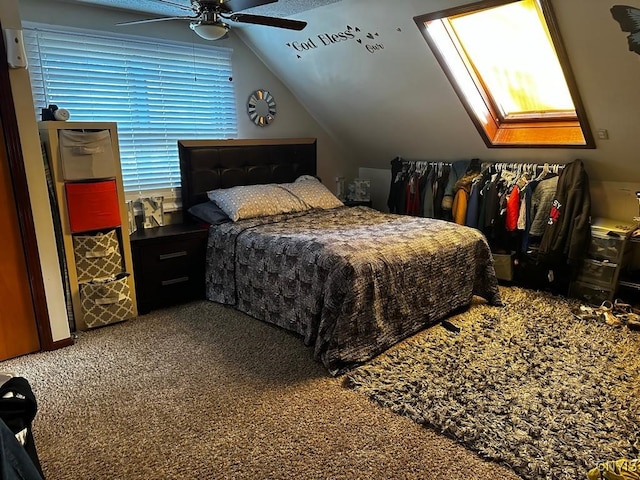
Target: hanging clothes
{"points": [[473, 207], [427, 193], [461, 198], [568, 228], [413, 195], [513, 209], [541, 201], [457, 171], [439, 192], [396, 198]]}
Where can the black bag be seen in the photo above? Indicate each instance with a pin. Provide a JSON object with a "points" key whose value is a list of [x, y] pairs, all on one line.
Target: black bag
{"points": [[18, 408]]}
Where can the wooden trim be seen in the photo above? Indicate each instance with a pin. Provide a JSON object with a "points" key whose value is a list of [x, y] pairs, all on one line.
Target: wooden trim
{"points": [[565, 64], [244, 142], [67, 342], [23, 202]]}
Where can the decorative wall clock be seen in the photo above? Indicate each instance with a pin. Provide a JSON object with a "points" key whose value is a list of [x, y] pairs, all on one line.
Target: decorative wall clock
{"points": [[261, 108]]}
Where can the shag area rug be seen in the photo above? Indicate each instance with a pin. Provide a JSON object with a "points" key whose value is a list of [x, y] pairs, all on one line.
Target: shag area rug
{"points": [[527, 385]]}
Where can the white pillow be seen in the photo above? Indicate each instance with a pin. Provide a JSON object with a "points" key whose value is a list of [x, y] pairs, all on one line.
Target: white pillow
{"points": [[312, 193], [250, 201]]}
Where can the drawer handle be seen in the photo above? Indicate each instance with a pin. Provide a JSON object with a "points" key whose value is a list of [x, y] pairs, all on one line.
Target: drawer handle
{"points": [[168, 256], [173, 281]]}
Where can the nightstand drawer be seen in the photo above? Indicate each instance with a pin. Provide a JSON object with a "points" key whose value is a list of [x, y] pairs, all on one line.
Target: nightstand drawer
{"points": [[173, 259], [169, 263]]}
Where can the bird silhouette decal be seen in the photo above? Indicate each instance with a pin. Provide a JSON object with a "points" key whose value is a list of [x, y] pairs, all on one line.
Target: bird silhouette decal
{"points": [[629, 20]]}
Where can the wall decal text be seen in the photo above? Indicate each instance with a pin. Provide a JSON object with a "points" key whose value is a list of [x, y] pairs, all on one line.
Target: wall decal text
{"points": [[368, 40]]}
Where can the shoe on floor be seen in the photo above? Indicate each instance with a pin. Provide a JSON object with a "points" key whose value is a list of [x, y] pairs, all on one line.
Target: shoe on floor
{"points": [[605, 311]]}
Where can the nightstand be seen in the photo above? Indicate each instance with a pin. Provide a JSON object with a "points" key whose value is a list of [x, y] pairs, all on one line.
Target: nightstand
{"points": [[169, 265]]}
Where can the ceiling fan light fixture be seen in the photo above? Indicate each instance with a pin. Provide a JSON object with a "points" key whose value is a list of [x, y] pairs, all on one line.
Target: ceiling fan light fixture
{"points": [[209, 31]]}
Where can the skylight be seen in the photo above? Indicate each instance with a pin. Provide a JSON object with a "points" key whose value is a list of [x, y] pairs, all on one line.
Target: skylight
{"points": [[510, 71]]}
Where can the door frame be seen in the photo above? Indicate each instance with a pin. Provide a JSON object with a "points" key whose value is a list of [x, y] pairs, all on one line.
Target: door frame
{"points": [[9, 122]]}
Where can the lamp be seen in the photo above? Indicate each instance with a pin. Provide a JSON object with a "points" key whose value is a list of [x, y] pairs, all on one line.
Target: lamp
{"points": [[209, 31]]}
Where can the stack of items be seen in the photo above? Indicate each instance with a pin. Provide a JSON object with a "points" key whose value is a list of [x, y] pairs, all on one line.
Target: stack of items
{"points": [[94, 219]]}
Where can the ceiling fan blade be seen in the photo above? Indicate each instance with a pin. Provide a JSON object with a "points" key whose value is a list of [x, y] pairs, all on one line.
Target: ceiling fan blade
{"points": [[151, 20], [268, 21], [177, 5], [236, 5]]}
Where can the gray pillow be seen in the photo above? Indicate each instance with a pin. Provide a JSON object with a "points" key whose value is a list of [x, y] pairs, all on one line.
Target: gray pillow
{"points": [[209, 212]]}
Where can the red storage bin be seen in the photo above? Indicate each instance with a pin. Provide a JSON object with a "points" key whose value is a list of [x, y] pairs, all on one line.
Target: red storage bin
{"points": [[92, 205]]}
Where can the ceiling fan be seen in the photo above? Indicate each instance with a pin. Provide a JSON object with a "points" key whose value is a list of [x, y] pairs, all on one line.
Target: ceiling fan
{"points": [[207, 22]]}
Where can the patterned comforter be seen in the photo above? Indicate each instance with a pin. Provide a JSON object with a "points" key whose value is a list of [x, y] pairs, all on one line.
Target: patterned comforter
{"points": [[351, 281]]}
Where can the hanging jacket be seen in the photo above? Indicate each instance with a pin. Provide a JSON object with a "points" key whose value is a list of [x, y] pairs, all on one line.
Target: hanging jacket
{"points": [[568, 229], [461, 198], [513, 209]]}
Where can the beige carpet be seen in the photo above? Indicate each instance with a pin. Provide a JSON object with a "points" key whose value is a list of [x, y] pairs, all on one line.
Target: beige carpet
{"points": [[203, 392]]}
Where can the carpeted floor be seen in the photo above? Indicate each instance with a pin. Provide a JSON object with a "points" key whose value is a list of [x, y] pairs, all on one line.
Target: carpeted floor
{"points": [[527, 385], [203, 392]]}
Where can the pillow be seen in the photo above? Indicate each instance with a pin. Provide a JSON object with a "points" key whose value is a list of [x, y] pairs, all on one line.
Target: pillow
{"points": [[250, 201], [313, 193], [209, 212]]}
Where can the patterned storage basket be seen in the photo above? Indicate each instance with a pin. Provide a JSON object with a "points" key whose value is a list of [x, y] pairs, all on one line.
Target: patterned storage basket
{"points": [[97, 256], [106, 302]]}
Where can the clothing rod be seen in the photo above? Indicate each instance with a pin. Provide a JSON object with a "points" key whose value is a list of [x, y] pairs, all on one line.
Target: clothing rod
{"points": [[500, 164]]}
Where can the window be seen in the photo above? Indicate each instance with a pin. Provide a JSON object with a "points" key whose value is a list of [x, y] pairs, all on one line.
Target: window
{"points": [[507, 64], [158, 93]]}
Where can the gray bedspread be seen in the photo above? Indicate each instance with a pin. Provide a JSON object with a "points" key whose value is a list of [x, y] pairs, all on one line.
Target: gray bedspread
{"points": [[351, 281]]}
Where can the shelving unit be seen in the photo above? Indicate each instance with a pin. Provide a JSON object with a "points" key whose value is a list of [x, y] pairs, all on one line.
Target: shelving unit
{"points": [[50, 136], [609, 254]]}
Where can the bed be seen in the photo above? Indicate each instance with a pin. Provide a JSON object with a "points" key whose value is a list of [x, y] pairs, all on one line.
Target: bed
{"points": [[351, 281]]}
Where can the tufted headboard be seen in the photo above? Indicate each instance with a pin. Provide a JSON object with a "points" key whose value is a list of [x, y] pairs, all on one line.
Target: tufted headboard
{"points": [[209, 164]]}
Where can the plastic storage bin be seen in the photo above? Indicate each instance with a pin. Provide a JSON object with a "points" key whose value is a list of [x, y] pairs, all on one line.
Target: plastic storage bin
{"points": [[605, 247], [598, 272], [588, 293], [92, 205], [97, 256], [86, 155]]}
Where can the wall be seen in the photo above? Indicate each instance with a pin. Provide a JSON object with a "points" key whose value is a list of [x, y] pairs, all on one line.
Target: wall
{"points": [[292, 120], [369, 77], [9, 16]]}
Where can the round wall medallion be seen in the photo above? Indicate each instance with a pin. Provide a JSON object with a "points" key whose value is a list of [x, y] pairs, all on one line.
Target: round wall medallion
{"points": [[261, 108]]}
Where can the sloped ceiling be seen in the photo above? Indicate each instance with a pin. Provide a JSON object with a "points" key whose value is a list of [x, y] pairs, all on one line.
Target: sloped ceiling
{"points": [[365, 73]]}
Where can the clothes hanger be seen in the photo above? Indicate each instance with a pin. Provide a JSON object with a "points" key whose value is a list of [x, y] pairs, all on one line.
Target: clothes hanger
{"points": [[545, 171]]}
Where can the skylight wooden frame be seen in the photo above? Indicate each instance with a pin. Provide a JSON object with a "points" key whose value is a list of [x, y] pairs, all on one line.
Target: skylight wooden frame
{"points": [[496, 131]]}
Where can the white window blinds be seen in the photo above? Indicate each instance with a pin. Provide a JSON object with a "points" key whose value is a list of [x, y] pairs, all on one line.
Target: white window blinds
{"points": [[158, 93]]}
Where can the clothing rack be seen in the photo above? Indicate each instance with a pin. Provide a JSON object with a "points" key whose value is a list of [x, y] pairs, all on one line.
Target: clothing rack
{"points": [[520, 167]]}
